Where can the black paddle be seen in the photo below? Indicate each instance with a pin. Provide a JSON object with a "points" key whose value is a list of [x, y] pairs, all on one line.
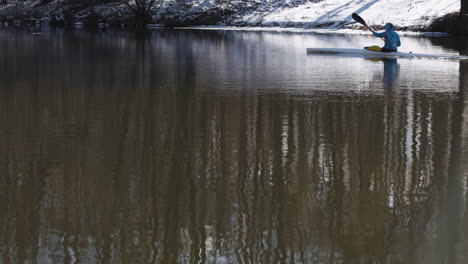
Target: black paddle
{"points": [[360, 20]]}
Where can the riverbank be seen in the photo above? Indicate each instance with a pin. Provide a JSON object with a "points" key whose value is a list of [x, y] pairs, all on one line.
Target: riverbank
{"points": [[347, 31], [405, 15]]}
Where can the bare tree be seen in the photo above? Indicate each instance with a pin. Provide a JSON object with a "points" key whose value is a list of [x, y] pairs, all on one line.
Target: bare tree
{"points": [[464, 7], [53, 9], [4, 4], [13, 9], [142, 11]]}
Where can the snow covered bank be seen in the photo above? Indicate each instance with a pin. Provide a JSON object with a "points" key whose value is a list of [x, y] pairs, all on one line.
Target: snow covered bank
{"points": [[415, 15], [346, 31], [404, 14]]}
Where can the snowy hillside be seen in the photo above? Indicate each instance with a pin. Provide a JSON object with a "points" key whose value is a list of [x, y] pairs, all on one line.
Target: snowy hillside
{"points": [[337, 13], [404, 14]]}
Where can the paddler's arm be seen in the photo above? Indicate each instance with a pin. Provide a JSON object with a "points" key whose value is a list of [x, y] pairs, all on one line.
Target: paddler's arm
{"points": [[380, 35]]}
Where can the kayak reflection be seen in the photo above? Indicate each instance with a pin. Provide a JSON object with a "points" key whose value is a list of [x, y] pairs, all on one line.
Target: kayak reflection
{"points": [[391, 70]]}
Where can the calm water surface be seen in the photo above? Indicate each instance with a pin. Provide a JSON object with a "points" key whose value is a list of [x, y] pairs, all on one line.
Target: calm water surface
{"points": [[179, 146]]}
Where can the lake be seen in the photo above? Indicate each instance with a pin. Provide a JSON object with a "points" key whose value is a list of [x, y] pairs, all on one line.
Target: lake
{"points": [[212, 146]]}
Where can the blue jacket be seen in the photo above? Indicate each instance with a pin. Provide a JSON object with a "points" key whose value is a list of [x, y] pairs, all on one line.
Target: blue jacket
{"points": [[392, 39]]}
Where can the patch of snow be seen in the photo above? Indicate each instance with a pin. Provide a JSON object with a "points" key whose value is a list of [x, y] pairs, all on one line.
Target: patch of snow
{"points": [[154, 25], [337, 13]]}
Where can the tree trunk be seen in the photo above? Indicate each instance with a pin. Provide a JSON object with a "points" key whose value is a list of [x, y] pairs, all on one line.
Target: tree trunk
{"points": [[464, 7]]}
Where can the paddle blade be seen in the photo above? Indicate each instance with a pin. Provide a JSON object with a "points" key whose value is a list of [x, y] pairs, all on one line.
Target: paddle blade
{"points": [[358, 19]]}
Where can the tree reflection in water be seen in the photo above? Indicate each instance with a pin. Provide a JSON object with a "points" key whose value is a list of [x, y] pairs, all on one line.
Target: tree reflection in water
{"points": [[122, 162]]}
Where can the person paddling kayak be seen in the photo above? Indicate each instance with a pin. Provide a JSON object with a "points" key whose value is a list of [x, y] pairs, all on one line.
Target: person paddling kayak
{"points": [[392, 39]]}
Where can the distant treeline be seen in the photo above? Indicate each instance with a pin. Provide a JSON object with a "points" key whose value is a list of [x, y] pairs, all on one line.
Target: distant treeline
{"points": [[89, 12]]}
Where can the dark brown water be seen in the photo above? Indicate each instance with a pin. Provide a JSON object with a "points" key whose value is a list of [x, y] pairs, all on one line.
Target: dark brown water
{"points": [[229, 147]]}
